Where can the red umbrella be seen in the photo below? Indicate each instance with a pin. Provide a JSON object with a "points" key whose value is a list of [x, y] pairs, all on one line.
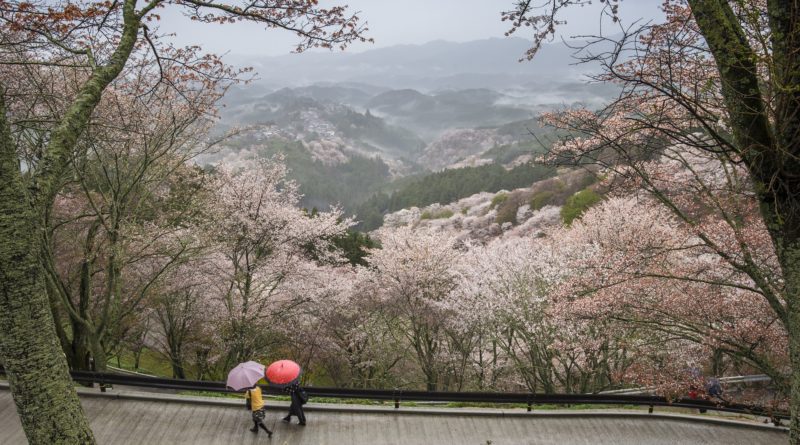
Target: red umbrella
{"points": [[283, 373]]}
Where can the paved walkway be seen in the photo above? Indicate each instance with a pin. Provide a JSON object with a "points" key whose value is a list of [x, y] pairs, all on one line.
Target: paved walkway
{"points": [[136, 418]]}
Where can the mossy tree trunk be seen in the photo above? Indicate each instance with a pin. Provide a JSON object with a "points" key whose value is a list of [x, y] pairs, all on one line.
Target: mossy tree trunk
{"points": [[45, 398], [790, 262], [769, 144], [43, 392]]}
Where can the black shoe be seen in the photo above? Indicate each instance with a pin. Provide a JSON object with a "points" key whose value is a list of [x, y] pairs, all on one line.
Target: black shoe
{"points": [[254, 429], [269, 434], [301, 423], [287, 419]]}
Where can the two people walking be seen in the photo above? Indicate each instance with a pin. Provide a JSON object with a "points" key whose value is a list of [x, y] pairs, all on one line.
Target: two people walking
{"points": [[254, 401], [283, 374]]}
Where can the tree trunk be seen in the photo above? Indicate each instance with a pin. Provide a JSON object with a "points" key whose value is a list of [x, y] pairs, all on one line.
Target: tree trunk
{"points": [[137, 357], [769, 151], [177, 369], [790, 262], [79, 353], [46, 401], [98, 353], [176, 357], [432, 380]]}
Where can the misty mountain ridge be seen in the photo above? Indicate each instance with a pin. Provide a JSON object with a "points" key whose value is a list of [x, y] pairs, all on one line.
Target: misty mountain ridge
{"points": [[488, 63], [402, 110]]}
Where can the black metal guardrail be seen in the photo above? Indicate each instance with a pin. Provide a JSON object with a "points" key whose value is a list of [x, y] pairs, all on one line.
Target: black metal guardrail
{"points": [[401, 395]]}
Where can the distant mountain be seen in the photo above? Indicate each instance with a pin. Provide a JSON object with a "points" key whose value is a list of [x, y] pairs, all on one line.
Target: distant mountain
{"points": [[405, 99], [456, 145], [427, 88], [315, 113], [430, 115], [490, 63], [343, 94], [327, 172], [405, 127]]}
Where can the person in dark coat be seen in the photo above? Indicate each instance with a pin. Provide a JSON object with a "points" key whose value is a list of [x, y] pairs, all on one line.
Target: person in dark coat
{"points": [[714, 389], [299, 398]]}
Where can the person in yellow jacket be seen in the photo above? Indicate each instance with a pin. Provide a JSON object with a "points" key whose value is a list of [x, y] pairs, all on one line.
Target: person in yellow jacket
{"points": [[255, 401]]}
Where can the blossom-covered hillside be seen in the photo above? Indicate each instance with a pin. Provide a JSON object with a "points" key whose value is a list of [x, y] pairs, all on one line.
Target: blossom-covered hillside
{"points": [[527, 211]]}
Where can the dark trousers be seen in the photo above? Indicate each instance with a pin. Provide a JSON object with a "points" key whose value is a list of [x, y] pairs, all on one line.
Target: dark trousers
{"points": [[296, 409], [258, 420]]}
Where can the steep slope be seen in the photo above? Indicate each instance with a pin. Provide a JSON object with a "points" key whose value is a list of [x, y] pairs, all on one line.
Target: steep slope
{"points": [[345, 179], [527, 211], [446, 186]]}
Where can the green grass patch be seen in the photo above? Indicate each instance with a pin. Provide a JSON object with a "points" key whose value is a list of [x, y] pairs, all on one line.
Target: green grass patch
{"points": [[220, 395], [150, 362], [484, 405], [357, 401]]}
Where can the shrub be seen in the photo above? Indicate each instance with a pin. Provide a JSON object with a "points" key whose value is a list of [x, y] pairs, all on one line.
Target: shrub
{"points": [[441, 214], [541, 199], [498, 199], [446, 213], [508, 208], [587, 180], [579, 203], [507, 213]]}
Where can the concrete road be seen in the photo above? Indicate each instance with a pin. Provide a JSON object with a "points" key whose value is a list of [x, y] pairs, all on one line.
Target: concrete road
{"points": [[125, 417]]}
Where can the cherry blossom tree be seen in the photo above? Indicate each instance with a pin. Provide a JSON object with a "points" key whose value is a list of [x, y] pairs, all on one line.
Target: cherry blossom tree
{"points": [[93, 317], [416, 275], [137, 190], [264, 244], [183, 315], [543, 346], [344, 330], [643, 268], [717, 81]]}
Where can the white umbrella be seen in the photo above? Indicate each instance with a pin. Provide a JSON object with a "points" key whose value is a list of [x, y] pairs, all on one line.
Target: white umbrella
{"points": [[245, 375]]}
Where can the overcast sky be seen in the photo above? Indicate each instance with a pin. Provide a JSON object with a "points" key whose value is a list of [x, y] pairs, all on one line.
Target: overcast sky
{"points": [[395, 22]]}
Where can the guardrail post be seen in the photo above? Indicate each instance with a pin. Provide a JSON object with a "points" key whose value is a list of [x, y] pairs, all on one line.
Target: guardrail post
{"points": [[650, 410], [530, 402], [397, 399]]}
